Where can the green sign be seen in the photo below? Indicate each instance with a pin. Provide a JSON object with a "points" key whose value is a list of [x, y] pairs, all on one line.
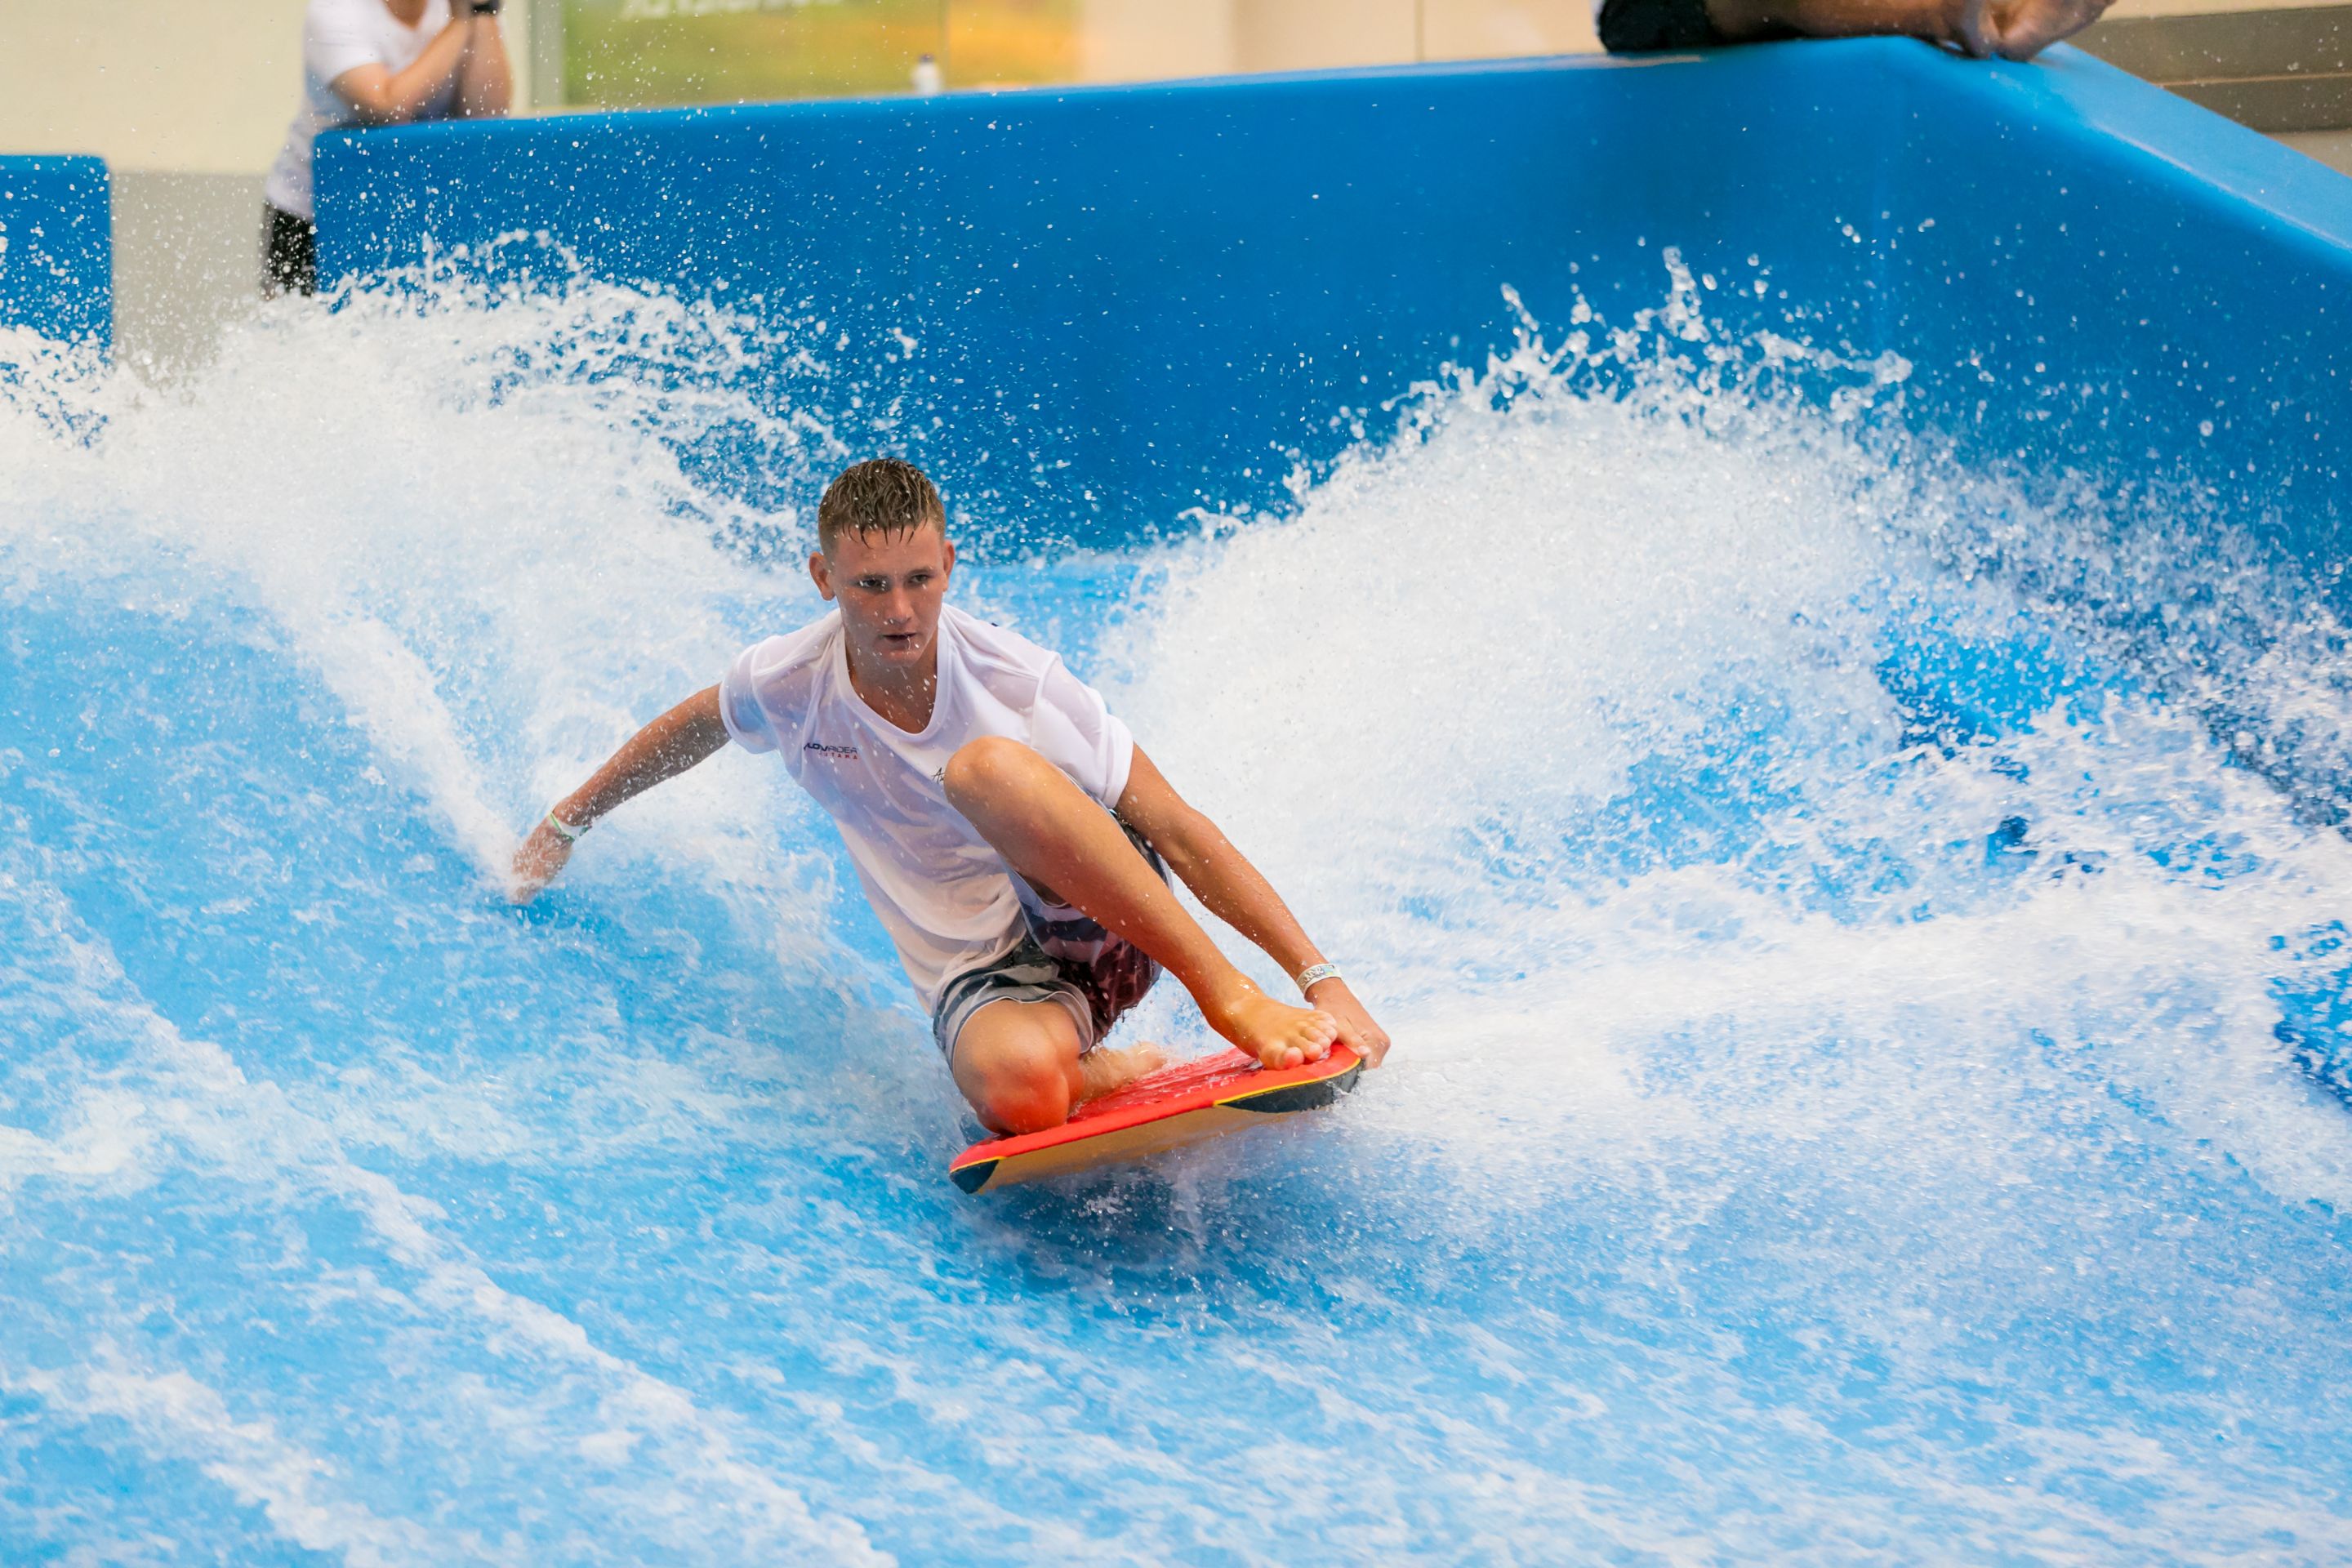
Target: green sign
{"points": [[635, 53]]}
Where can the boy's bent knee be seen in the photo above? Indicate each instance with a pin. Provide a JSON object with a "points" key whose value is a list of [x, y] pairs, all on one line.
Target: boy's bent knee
{"points": [[1026, 1096], [1018, 1082], [988, 766]]}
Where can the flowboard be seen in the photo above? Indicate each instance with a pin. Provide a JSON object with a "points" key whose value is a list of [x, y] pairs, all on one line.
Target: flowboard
{"points": [[1165, 1109]]}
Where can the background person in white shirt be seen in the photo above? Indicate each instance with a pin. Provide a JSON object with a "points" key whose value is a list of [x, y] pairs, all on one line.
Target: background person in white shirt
{"points": [[374, 62], [1009, 833]]}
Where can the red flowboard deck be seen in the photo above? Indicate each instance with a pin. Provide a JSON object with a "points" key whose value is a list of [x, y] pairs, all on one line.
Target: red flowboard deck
{"points": [[1175, 1106]]}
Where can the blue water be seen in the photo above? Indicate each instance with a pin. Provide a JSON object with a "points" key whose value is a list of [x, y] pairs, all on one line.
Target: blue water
{"points": [[1861, 945]]}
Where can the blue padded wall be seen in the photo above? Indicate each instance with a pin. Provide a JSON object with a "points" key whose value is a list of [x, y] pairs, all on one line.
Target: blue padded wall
{"points": [[1121, 299], [2123, 284], [56, 247]]}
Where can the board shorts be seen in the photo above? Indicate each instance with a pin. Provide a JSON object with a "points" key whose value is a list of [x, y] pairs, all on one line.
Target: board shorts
{"points": [[1064, 956]]}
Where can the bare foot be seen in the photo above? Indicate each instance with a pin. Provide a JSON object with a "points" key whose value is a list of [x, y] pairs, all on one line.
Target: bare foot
{"points": [[1277, 1034], [1099, 1072]]}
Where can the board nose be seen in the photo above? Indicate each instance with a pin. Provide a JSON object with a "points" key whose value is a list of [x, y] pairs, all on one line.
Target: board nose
{"points": [[973, 1176]]}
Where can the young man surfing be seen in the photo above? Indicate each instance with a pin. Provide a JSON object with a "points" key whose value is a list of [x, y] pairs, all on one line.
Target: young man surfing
{"points": [[1008, 831]]}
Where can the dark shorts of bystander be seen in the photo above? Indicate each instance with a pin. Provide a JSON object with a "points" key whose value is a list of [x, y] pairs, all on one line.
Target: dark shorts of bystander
{"points": [[1637, 26], [289, 254]]}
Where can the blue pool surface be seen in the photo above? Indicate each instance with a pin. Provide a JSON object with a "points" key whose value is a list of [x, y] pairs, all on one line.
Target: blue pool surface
{"points": [[1859, 898]]}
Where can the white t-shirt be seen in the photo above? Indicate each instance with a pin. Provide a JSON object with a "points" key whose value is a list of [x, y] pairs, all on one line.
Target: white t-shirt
{"points": [[945, 897], [338, 36]]}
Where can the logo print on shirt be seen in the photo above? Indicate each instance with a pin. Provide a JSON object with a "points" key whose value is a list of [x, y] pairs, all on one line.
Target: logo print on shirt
{"points": [[838, 754]]}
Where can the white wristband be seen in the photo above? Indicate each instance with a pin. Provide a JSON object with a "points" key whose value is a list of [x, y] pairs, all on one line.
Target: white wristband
{"points": [[1314, 975], [564, 830]]}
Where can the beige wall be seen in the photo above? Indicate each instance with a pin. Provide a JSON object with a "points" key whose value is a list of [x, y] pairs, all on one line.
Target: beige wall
{"points": [[1154, 40], [1301, 35], [1484, 29], [184, 86], [1138, 40], [207, 86]]}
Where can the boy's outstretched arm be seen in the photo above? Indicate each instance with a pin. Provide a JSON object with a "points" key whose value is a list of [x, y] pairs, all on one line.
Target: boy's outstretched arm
{"points": [[1235, 891], [668, 746]]}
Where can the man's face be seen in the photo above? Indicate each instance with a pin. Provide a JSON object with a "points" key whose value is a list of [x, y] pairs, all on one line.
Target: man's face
{"points": [[890, 587]]}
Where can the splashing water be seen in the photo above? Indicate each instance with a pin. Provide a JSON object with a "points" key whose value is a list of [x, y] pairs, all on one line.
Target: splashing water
{"points": [[1861, 936]]}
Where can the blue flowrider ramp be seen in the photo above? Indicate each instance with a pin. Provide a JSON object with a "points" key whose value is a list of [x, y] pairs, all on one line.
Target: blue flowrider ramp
{"points": [[1776, 611]]}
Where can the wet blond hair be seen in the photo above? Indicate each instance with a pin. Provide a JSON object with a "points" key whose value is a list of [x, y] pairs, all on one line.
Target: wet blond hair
{"points": [[879, 496]]}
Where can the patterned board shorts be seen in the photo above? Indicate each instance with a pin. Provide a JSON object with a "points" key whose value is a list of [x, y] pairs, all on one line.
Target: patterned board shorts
{"points": [[1064, 957]]}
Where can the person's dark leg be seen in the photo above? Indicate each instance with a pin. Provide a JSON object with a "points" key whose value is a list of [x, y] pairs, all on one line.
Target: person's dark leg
{"points": [[289, 254]]}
